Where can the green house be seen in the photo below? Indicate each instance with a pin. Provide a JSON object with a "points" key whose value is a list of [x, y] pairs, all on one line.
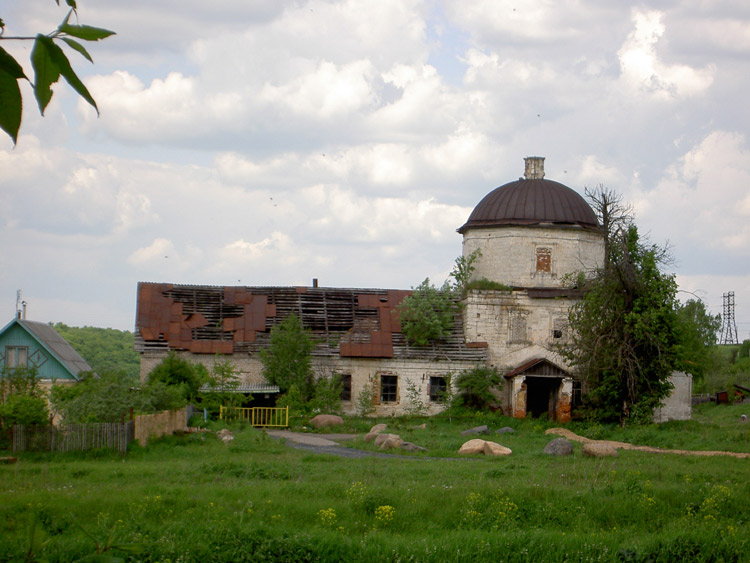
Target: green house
{"points": [[31, 344]]}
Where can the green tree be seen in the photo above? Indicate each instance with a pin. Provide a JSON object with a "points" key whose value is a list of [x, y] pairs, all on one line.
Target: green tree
{"points": [[49, 63], [107, 350], [626, 338], [22, 400], [222, 383], [463, 269], [698, 331], [474, 387], [177, 371], [95, 398], [287, 360], [427, 314]]}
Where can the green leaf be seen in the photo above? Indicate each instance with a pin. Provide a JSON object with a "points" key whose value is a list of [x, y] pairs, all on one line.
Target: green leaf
{"points": [[75, 45], [10, 102], [71, 3], [46, 71], [85, 32], [63, 65], [9, 65]]}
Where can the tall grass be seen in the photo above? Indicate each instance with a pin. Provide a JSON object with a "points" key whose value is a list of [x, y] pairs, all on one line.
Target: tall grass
{"points": [[193, 498]]}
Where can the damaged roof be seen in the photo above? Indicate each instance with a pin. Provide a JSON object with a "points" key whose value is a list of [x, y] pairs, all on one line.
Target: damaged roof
{"points": [[356, 323]]}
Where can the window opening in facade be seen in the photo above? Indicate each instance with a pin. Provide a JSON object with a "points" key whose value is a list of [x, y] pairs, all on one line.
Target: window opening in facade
{"points": [[388, 388], [346, 387], [438, 389], [16, 356]]}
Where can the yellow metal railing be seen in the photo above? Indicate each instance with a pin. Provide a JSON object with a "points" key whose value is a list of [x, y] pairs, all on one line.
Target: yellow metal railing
{"points": [[257, 416]]}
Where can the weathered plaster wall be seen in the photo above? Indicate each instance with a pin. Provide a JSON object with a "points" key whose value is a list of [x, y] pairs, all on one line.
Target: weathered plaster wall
{"points": [[510, 254], [516, 327], [678, 405], [364, 371]]}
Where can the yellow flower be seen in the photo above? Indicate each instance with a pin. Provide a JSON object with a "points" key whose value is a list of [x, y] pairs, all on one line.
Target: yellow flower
{"points": [[384, 514]]}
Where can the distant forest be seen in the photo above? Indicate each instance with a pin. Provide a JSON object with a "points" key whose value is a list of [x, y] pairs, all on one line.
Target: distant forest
{"points": [[107, 350]]}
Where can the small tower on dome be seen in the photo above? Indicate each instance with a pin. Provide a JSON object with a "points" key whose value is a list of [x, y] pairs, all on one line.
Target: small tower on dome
{"points": [[534, 168]]}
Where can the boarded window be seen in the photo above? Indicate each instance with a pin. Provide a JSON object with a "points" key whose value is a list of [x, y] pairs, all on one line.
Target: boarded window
{"points": [[438, 389], [16, 356], [518, 328], [346, 387], [543, 259], [388, 388]]}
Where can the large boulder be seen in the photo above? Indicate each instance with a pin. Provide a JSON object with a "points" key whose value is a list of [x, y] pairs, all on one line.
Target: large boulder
{"points": [[505, 430], [409, 447], [323, 420], [380, 438], [559, 446], [476, 430], [374, 431], [378, 428], [391, 442], [599, 449], [479, 446], [495, 449]]}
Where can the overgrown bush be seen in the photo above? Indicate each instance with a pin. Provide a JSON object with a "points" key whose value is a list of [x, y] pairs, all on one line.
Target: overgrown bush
{"points": [[23, 409], [174, 370], [286, 361], [21, 398], [474, 388], [427, 314], [487, 285]]}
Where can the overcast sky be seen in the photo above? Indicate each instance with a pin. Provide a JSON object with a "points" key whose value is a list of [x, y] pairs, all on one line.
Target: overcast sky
{"points": [[269, 142]]}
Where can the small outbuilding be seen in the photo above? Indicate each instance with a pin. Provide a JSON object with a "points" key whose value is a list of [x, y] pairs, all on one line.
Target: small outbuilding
{"points": [[33, 344]]}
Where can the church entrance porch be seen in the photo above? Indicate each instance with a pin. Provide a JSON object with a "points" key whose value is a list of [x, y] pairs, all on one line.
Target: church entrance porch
{"points": [[540, 389]]}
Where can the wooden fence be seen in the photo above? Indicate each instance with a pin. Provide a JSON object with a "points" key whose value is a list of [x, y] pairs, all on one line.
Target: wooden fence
{"points": [[73, 437], [112, 435]]}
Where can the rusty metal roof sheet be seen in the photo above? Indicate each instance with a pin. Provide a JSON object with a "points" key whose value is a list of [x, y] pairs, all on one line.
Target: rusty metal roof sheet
{"points": [[344, 322]]}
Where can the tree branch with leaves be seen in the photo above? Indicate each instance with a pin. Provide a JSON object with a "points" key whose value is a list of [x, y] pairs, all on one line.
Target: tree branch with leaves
{"points": [[49, 63]]}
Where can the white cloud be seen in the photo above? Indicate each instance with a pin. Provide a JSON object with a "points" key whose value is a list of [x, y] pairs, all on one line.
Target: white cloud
{"points": [[643, 71], [705, 195], [325, 92], [160, 249]]}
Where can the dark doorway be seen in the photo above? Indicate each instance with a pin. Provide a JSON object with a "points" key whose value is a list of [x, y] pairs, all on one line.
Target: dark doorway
{"points": [[541, 396]]}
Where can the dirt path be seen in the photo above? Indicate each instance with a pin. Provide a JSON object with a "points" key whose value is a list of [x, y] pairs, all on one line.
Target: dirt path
{"points": [[565, 433], [328, 444]]}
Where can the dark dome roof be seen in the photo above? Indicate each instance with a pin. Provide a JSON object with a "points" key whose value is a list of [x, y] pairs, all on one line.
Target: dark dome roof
{"points": [[530, 202]]}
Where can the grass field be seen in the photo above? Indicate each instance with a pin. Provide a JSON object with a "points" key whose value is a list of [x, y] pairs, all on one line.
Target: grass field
{"points": [[193, 498]]}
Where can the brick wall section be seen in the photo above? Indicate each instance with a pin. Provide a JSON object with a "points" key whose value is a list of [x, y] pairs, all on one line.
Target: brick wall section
{"points": [[158, 424]]}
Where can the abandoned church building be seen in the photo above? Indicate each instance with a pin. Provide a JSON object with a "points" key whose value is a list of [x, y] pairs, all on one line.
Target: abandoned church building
{"points": [[531, 233]]}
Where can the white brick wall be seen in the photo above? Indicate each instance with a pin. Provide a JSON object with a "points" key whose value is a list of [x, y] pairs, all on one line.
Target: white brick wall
{"points": [[362, 370], [509, 254]]}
